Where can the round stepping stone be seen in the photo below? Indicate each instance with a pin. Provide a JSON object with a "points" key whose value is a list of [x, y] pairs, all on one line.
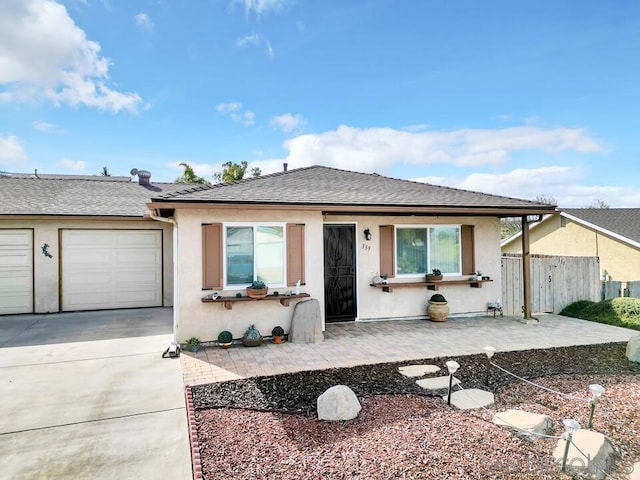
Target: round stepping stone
{"points": [[436, 383], [471, 398], [595, 445], [418, 370], [521, 420]]}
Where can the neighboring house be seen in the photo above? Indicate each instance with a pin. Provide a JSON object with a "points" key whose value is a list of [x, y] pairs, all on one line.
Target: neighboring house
{"points": [[70, 242], [611, 234], [310, 225]]}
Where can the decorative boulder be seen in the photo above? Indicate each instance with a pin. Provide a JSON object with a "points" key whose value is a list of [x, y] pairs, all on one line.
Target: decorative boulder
{"points": [[306, 323], [530, 422], [338, 403], [633, 349]]}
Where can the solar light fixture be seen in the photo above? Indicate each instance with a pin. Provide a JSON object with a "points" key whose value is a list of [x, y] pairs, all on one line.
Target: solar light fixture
{"points": [[596, 391], [452, 366], [571, 426], [489, 351]]}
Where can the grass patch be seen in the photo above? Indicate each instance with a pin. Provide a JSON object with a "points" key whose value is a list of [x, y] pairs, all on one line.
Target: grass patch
{"points": [[621, 312]]}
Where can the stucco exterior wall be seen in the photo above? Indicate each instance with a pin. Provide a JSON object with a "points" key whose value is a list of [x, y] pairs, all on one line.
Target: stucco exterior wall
{"points": [[46, 270], [206, 320], [406, 302], [618, 260]]}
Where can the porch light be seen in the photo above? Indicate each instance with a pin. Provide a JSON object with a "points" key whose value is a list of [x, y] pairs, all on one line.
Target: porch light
{"points": [[452, 366], [367, 234], [596, 392], [572, 427]]}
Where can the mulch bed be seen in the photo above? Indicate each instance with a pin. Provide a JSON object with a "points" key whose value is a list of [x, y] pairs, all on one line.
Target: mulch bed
{"points": [[266, 427]]}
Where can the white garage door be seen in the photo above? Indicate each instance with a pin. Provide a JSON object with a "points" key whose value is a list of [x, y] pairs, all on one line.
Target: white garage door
{"points": [[16, 271], [104, 269]]}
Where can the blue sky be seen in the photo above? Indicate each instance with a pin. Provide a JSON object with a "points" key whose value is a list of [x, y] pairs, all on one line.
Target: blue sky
{"points": [[524, 99]]}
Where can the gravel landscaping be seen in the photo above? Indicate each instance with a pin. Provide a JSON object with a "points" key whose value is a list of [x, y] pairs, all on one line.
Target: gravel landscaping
{"points": [[266, 427]]}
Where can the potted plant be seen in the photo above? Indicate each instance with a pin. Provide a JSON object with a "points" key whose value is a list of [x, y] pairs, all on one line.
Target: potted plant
{"points": [[438, 308], [278, 334], [193, 344], [252, 337], [434, 276], [225, 339], [257, 289]]}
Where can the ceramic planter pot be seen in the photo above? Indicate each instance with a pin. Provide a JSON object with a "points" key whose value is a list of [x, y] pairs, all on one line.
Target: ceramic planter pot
{"points": [[438, 311], [252, 342], [433, 278], [257, 292], [277, 339]]}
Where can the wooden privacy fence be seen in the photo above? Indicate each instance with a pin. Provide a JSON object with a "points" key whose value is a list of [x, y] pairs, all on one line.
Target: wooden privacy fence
{"points": [[555, 282], [614, 289]]}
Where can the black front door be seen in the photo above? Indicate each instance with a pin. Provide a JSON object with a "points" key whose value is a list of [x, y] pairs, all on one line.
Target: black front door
{"points": [[339, 273]]}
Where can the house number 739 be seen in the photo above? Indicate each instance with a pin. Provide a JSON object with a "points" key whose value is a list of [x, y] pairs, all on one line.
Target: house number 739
{"points": [[366, 247]]}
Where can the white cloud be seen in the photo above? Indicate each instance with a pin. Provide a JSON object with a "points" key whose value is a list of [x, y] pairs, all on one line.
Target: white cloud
{"points": [[228, 107], [246, 118], [288, 122], [301, 26], [11, 151], [260, 7], [44, 126], [251, 39], [44, 54], [75, 165], [234, 110], [144, 21], [376, 149], [559, 182], [255, 40]]}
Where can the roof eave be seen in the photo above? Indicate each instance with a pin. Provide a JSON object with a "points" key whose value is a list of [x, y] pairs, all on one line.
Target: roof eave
{"points": [[494, 211]]}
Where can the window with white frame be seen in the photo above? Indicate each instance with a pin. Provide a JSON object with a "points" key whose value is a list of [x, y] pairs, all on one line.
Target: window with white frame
{"points": [[254, 252], [422, 248]]}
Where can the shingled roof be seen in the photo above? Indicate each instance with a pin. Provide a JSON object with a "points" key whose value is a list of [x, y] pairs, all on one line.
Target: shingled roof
{"points": [[324, 186], [624, 222], [26, 194]]}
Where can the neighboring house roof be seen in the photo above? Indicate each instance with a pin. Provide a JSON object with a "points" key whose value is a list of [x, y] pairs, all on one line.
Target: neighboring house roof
{"points": [[324, 186], [76, 195], [620, 223]]}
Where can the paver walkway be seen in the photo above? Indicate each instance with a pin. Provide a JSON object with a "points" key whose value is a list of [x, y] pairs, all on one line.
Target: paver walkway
{"points": [[363, 343]]}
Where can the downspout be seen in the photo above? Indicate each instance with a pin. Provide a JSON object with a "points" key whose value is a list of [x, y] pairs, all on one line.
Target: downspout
{"points": [[174, 348]]}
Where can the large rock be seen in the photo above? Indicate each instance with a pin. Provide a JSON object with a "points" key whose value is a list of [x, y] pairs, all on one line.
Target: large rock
{"points": [[338, 403], [306, 323], [594, 458], [633, 349], [521, 420]]}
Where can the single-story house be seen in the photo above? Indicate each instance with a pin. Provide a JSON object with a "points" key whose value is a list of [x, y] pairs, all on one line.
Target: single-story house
{"points": [[334, 232], [611, 234], [71, 242]]}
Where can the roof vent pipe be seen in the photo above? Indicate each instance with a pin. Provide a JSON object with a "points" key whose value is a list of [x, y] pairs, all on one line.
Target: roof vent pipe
{"points": [[144, 176], [286, 166]]}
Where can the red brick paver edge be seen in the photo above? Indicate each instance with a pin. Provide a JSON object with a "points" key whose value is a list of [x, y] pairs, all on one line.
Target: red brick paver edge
{"points": [[193, 435]]}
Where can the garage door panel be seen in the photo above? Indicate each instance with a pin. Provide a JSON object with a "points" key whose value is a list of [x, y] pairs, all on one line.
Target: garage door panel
{"points": [[134, 259], [143, 239], [125, 272], [16, 271]]}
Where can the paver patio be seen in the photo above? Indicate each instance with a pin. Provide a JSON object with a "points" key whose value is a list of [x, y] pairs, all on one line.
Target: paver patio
{"points": [[363, 343]]}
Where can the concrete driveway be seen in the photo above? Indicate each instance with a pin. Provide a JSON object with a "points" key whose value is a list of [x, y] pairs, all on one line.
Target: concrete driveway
{"points": [[87, 395]]}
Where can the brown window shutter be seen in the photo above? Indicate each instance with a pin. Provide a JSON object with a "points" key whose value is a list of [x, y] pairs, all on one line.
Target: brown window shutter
{"points": [[387, 251], [212, 256], [295, 253], [468, 252]]}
